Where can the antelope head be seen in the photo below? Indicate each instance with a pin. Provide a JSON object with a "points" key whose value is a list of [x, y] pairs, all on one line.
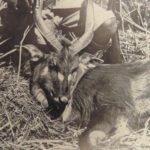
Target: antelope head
{"points": [[67, 57]]}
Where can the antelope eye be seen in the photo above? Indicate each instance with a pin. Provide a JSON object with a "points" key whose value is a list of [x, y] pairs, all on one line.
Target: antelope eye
{"points": [[52, 94], [60, 77]]}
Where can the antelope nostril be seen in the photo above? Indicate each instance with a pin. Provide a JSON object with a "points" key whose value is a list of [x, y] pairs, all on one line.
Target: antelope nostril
{"points": [[64, 99], [51, 94], [56, 99], [66, 89]]}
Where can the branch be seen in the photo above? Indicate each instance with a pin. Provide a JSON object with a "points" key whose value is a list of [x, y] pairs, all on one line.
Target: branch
{"points": [[9, 121], [136, 25], [20, 49], [8, 53], [4, 41]]}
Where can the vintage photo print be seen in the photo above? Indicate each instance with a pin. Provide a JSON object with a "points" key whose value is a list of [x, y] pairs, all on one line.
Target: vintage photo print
{"points": [[74, 75]]}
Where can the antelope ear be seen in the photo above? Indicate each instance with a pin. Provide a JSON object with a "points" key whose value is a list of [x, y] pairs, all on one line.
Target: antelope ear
{"points": [[52, 61], [35, 53]]}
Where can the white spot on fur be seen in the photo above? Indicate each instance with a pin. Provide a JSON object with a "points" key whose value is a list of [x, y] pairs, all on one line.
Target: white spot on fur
{"points": [[35, 59], [91, 65], [42, 99], [60, 77], [67, 113], [96, 137], [69, 78], [122, 129], [82, 67], [56, 99], [64, 99], [45, 71]]}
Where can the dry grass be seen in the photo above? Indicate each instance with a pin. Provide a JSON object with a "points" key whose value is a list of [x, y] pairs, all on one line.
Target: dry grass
{"points": [[134, 45], [24, 124]]}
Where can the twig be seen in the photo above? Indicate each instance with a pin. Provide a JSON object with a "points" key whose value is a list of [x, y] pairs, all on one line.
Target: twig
{"points": [[20, 49], [133, 55], [42, 141], [147, 44], [4, 41], [8, 53], [9, 121], [122, 24], [42, 147], [122, 21], [128, 14], [2, 63], [3, 127], [15, 145], [139, 13], [136, 25]]}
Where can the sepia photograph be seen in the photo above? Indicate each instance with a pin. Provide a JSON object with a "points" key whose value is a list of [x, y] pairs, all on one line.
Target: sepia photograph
{"points": [[74, 74]]}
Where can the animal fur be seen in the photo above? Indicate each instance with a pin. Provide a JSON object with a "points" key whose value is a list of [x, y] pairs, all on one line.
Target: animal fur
{"points": [[106, 93]]}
